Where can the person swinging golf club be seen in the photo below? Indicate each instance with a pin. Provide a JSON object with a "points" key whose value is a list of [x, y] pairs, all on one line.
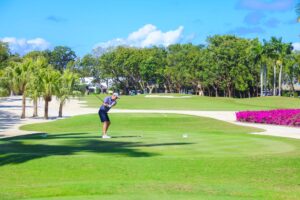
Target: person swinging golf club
{"points": [[107, 104]]}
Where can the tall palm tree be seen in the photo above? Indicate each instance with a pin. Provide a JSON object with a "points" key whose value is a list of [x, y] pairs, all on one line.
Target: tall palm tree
{"points": [[274, 49], [286, 50], [9, 75], [35, 87], [19, 74], [66, 88], [49, 86], [292, 70]]}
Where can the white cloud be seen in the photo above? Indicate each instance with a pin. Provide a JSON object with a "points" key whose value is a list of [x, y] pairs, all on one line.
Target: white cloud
{"points": [[148, 35], [296, 46], [142, 32], [23, 46]]}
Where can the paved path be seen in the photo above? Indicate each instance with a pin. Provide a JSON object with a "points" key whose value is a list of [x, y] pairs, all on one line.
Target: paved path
{"points": [[10, 110]]}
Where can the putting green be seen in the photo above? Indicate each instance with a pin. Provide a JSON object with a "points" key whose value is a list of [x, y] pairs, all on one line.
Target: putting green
{"points": [[148, 158]]}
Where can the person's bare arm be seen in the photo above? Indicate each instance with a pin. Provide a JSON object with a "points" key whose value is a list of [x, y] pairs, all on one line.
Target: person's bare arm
{"points": [[105, 104], [113, 104]]}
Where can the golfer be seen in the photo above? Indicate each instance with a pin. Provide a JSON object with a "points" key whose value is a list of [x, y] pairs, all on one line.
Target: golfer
{"points": [[108, 102]]}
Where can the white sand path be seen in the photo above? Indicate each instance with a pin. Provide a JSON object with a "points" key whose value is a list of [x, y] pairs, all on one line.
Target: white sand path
{"points": [[10, 110]]}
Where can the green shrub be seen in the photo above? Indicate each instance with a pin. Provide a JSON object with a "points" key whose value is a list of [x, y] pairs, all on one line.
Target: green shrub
{"points": [[3, 92], [81, 88]]}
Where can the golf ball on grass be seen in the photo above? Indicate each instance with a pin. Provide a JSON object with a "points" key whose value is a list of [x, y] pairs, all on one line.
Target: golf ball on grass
{"points": [[185, 136]]}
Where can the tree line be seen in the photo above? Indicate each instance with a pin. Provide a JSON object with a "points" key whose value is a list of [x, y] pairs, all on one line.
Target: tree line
{"points": [[227, 65]]}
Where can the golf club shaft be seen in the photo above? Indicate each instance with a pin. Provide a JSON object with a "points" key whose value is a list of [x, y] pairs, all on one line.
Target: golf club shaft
{"points": [[98, 97]]}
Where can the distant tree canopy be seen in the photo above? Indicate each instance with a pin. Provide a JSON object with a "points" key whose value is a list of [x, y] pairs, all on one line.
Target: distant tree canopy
{"points": [[4, 54], [61, 56], [226, 65]]}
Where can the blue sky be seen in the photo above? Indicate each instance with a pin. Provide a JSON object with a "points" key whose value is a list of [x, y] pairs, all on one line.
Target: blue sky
{"points": [[87, 24]]}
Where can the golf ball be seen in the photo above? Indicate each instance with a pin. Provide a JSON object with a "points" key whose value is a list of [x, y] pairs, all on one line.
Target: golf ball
{"points": [[185, 136]]}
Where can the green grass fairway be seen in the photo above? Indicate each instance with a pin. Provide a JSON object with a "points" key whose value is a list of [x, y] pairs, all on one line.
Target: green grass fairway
{"points": [[148, 159], [199, 103]]}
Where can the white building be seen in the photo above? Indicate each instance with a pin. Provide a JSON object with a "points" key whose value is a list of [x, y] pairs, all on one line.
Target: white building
{"points": [[90, 82], [86, 80]]}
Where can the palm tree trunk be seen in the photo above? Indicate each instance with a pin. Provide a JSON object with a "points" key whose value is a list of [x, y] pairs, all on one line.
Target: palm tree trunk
{"points": [[35, 107], [23, 105], [46, 108], [279, 81], [61, 104], [274, 84]]}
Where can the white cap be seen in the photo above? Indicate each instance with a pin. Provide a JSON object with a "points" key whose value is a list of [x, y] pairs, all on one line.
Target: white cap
{"points": [[116, 95]]}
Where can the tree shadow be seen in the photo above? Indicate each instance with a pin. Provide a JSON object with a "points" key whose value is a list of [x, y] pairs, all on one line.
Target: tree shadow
{"points": [[9, 99], [17, 150], [8, 120], [10, 106]]}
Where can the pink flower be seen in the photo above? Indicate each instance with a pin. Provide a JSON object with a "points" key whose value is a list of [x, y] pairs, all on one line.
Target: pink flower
{"points": [[288, 117]]}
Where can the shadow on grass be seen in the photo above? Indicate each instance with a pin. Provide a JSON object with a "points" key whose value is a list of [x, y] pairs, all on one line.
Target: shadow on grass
{"points": [[25, 148]]}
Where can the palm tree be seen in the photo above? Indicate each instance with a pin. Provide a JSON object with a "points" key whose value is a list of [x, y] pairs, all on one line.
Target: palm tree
{"points": [[9, 75], [35, 88], [19, 74], [49, 86], [34, 92], [292, 70], [66, 88], [274, 49], [286, 50]]}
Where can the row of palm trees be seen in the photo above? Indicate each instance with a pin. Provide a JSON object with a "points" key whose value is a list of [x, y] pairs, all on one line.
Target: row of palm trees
{"points": [[36, 78]]}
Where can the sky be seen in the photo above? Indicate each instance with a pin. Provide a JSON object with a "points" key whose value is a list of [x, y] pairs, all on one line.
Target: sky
{"points": [[84, 25]]}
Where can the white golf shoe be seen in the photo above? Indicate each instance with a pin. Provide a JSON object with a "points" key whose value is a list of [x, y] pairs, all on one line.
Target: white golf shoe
{"points": [[105, 137]]}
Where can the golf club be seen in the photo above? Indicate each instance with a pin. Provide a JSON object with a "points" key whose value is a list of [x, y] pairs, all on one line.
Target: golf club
{"points": [[98, 97]]}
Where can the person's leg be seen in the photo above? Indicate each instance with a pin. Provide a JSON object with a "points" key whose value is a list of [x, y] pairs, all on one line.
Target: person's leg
{"points": [[105, 127], [106, 122]]}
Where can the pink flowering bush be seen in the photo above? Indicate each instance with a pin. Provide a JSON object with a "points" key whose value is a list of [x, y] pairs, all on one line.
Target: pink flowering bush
{"points": [[279, 117]]}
